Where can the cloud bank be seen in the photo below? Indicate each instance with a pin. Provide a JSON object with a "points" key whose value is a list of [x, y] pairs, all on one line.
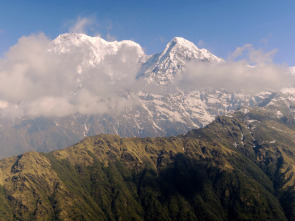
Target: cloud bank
{"points": [[35, 81], [246, 69]]}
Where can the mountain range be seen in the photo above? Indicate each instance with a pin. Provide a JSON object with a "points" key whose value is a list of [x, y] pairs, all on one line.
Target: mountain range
{"points": [[164, 110], [168, 153]]}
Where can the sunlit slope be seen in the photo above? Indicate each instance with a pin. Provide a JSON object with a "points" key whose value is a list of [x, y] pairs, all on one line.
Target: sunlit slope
{"points": [[240, 167]]}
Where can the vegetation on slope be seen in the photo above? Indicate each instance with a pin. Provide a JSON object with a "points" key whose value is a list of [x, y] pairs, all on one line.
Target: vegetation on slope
{"points": [[240, 167]]}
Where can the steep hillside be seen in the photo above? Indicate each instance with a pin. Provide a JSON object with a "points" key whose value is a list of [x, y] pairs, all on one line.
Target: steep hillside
{"points": [[240, 167]]}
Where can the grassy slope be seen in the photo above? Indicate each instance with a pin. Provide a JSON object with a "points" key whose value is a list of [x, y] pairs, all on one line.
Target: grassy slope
{"points": [[222, 172]]}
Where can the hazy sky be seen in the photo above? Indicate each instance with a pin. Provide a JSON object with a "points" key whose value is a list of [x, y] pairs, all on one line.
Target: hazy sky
{"points": [[218, 25]]}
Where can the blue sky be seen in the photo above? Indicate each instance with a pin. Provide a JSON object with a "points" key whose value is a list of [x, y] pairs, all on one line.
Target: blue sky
{"points": [[220, 26]]}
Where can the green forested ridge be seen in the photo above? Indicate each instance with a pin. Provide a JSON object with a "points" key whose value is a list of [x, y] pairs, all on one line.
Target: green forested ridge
{"points": [[240, 167]]}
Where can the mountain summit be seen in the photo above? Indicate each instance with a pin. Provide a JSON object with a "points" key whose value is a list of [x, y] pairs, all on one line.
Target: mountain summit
{"points": [[65, 42], [91, 51], [163, 67]]}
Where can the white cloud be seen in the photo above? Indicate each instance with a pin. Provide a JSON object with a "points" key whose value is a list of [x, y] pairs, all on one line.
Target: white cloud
{"points": [[265, 40], [239, 51], [254, 71], [81, 25], [252, 55], [162, 39], [201, 43], [236, 76], [36, 82]]}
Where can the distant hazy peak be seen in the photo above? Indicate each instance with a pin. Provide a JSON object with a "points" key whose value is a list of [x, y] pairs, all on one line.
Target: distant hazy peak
{"points": [[287, 91]]}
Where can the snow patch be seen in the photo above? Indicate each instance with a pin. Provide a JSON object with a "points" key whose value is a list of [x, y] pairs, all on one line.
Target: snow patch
{"points": [[86, 130], [279, 114]]}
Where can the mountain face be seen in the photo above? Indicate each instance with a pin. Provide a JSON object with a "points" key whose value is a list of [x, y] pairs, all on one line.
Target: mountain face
{"points": [[92, 49], [163, 67], [239, 167], [155, 115], [165, 113]]}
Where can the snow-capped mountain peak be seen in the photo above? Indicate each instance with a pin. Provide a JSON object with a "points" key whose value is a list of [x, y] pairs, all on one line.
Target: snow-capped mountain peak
{"points": [[91, 51], [163, 67], [97, 47], [287, 91], [179, 43], [79, 39]]}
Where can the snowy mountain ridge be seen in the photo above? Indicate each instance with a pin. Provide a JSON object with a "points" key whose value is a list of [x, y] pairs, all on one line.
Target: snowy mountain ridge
{"points": [[163, 67], [160, 68], [165, 113], [64, 43], [91, 50]]}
